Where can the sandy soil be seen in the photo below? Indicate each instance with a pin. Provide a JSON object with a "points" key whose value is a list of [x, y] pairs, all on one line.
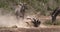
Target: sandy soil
{"points": [[8, 21], [30, 30]]}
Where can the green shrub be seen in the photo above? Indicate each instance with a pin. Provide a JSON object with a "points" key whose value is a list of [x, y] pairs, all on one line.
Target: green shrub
{"points": [[57, 22], [49, 22]]}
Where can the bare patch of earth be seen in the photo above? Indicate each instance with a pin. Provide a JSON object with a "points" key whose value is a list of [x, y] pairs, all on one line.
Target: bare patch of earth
{"points": [[30, 30], [10, 21]]}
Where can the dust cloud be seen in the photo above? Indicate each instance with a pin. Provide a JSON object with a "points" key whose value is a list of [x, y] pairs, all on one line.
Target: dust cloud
{"points": [[8, 21]]}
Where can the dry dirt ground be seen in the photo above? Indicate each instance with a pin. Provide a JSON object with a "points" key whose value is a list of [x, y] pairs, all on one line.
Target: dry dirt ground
{"points": [[10, 21], [30, 30]]}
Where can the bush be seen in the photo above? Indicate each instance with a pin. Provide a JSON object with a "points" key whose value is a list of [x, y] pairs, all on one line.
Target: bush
{"points": [[49, 22], [57, 22]]}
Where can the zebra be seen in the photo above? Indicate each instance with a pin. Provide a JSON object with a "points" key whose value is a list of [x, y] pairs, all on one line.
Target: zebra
{"points": [[20, 10], [34, 22], [55, 14]]}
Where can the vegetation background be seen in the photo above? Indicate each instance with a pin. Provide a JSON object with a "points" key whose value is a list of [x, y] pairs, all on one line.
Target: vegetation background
{"points": [[43, 7]]}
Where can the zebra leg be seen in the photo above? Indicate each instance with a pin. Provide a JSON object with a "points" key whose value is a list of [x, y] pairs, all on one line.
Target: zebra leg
{"points": [[22, 16], [53, 19], [17, 17]]}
